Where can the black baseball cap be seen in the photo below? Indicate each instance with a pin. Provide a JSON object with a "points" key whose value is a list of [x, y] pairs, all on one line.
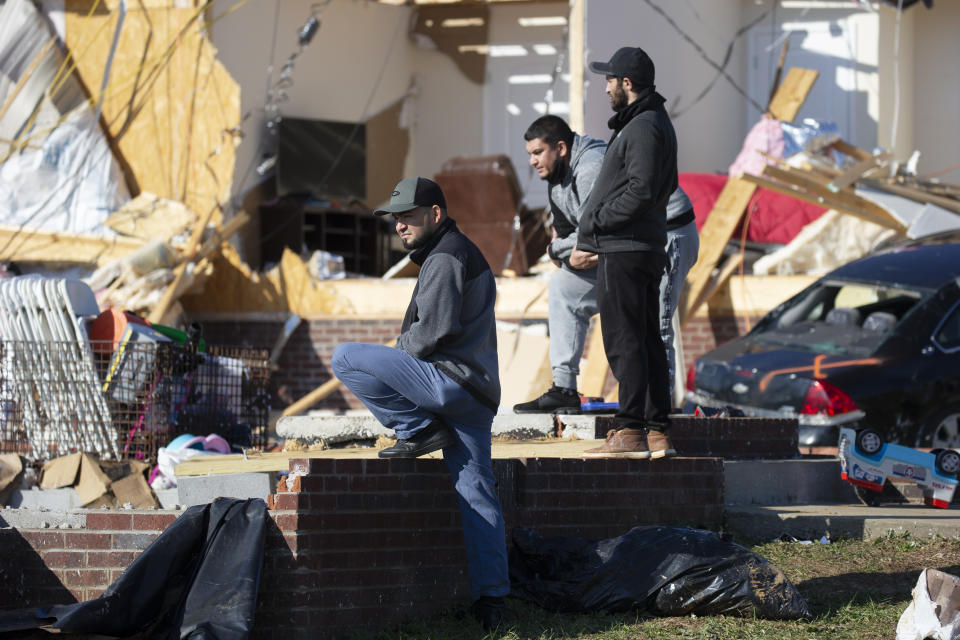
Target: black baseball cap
{"points": [[628, 62], [411, 193]]}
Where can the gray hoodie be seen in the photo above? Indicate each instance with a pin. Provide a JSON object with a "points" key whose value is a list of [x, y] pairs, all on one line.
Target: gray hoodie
{"points": [[570, 193]]}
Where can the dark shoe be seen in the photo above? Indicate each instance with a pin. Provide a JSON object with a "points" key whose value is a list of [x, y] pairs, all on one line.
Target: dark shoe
{"points": [[489, 611], [659, 444], [622, 443], [556, 400], [435, 435]]}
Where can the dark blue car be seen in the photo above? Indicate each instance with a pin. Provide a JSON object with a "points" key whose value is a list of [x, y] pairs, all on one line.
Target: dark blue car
{"points": [[875, 343]]}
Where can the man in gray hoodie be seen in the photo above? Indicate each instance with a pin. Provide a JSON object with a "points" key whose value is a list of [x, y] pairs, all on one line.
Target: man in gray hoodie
{"points": [[439, 387], [569, 163]]}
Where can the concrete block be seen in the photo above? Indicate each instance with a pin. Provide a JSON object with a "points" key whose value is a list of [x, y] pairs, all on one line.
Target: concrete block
{"points": [[332, 429], [785, 482], [525, 426], [168, 498], [46, 499], [31, 518], [194, 490]]}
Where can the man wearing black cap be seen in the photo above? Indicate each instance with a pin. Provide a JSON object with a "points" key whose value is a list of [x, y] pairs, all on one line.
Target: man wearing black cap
{"points": [[623, 232], [440, 388]]}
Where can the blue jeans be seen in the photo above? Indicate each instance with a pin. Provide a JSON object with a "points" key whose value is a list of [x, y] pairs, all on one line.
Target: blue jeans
{"points": [[406, 394], [683, 247]]}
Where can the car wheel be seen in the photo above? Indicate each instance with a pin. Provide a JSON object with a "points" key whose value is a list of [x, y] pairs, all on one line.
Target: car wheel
{"points": [[869, 441], [941, 429], [947, 462]]}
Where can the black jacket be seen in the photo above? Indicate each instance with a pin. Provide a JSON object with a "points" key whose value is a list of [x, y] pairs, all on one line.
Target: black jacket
{"points": [[450, 320], [627, 209]]}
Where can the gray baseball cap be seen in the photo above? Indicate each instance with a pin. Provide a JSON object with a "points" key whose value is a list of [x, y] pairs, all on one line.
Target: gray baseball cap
{"points": [[411, 193]]}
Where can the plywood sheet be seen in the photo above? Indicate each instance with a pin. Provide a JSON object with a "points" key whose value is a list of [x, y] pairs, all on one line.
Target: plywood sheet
{"points": [[170, 106]]}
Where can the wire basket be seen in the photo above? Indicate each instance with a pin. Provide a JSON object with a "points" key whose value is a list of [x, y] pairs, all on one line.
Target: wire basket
{"points": [[125, 401]]}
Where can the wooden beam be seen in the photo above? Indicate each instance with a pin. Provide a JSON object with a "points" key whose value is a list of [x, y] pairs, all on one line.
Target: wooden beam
{"points": [[949, 204], [18, 244], [576, 27], [792, 94], [726, 270], [714, 236], [853, 174], [796, 192], [849, 201], [596, 369]]}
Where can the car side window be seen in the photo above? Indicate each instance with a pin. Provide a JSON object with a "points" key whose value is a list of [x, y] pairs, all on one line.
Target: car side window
{"points": [[947, 334]]}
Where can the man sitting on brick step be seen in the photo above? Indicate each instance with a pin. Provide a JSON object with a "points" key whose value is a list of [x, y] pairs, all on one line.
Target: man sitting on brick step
{"points": [[439, 388]]}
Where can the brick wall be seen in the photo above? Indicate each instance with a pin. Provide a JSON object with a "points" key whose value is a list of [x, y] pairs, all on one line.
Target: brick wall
{"points": [[305, 361], [361, 543], [728, 438]]}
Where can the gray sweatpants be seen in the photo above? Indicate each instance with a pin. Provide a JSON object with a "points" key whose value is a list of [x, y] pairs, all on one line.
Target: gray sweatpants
{"points": [[572, 302]]}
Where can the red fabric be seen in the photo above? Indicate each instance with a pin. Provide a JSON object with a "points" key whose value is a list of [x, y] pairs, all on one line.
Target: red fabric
{"points": [[774, 218]]}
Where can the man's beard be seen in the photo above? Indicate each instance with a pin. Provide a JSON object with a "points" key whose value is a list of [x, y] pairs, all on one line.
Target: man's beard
{"points": [[418, 242], [618, 100]]}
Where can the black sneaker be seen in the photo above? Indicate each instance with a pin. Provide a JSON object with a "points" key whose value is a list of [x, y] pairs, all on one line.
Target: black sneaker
{"points": [[489, 611], [556, 400], [435, 435]]}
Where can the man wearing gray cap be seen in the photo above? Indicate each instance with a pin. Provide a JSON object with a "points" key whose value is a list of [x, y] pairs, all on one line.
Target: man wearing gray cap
{"points": [[439, 388], [623, 232]]}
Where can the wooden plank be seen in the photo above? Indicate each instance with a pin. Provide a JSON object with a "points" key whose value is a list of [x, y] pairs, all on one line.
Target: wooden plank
{"points": [[949, 204], [851, 150], [850, 201], [853, 174], [18, 244], [796, 192], [792, 94], [257, 462], [596, 369], [714, 236]]}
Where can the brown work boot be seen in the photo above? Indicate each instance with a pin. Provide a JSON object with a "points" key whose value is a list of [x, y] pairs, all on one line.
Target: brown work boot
{"points": [[659, 445], [623, 443]]}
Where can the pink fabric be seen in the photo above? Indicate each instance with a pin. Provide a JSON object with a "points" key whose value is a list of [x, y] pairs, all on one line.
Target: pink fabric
{"points": [[774, 218], [766, 136]]}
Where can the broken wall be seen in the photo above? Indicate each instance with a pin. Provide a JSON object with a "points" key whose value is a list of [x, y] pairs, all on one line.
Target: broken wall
{"points": [[170, 106]]}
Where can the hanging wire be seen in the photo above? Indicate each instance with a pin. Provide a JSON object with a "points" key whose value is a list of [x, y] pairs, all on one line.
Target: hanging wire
{"points": [[703, 54], [560, 61]]}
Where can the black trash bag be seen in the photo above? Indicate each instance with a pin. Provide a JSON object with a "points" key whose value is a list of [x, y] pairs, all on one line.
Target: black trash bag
{"points": [[198, 580], [668, 571]]}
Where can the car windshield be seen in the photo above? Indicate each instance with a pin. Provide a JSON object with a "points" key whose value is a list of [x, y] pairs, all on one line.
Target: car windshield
{"points": [[838, 317]]}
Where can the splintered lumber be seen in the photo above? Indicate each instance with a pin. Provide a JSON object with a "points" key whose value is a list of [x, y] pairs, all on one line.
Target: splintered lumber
{"points": [[949, 204], [792, 94], [844, 201], [597, 367], [841, 202], [714, 236], [18, 244], [854, 173]]}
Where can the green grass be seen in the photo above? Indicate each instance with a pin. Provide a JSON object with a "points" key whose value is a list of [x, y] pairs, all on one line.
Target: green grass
{"points": [[855, 589]]}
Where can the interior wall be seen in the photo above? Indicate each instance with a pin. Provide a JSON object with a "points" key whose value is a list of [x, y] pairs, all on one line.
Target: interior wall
{"points": [[711, 132], [936, 73], [359, 63]]}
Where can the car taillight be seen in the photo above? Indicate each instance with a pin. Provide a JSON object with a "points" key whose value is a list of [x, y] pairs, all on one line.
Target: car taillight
{"points": [[826, 399], [692, 377]]}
